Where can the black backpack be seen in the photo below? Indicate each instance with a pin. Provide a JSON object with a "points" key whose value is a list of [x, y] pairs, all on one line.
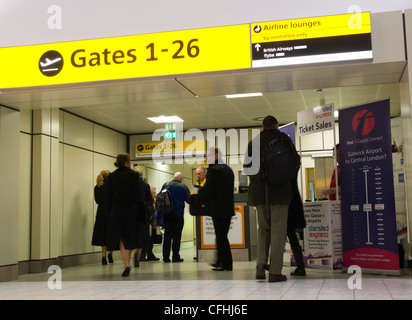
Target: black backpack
{"points": [[164, 202], [278, 163]]}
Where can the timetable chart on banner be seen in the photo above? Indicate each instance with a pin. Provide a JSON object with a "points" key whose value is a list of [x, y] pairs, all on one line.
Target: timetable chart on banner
{"points": [[368, 206], [311, 40]]}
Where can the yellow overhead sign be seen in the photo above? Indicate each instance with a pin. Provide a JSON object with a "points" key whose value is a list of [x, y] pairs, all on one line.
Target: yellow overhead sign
{"points": [[310, 28], [171, 147], [330, 38], [168, 53]]}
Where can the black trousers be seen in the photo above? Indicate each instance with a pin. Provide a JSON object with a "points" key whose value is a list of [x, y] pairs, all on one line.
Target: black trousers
{"points": [[224, 255], [146, 241], [173, 234]]}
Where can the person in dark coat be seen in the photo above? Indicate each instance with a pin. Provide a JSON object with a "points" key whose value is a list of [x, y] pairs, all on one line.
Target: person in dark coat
{"points": [[272, 232], [99, 237], [122, 196], [217, 193], [296, 220], [146, 218]]}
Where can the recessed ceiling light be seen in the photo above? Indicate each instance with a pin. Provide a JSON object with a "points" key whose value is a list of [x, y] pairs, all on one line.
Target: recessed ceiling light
{"points": [[244, 95], [165, 119]]}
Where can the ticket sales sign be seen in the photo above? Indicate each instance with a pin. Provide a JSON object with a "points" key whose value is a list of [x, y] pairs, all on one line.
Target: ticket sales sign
{"points": [[156, 54], [317, 119], [311, 40]]}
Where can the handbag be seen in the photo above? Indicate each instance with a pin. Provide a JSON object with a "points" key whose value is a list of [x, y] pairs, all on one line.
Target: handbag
{"points": [[197, 206], [157, 236]]}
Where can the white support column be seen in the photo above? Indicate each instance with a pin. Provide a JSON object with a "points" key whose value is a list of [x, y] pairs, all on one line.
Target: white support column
{"points": [[46, 186], [406, 113]]}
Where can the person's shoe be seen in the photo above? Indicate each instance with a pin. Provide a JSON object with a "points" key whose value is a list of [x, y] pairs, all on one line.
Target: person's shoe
{"points": [[136, 262], [222, 269], [277, 277], [126, 272], [143, 259], [260, 272], [298, 272], [177, 260], [104, 261], [166, 260], [110, 258], [153, 258]]}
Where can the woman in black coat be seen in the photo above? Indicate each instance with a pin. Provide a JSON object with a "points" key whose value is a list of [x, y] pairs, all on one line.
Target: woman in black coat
{"points": [[122, 196], [99, 237]]}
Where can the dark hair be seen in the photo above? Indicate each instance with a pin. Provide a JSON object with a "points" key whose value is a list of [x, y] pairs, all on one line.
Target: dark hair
{"points": [[270, 122], [122, 159]]}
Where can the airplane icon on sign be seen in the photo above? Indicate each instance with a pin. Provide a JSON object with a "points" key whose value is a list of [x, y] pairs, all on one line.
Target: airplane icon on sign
{"points": [[49, 62]]}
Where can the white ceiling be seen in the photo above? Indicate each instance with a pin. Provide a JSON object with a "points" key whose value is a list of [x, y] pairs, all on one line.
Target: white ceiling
{"points": [[125, 105]]}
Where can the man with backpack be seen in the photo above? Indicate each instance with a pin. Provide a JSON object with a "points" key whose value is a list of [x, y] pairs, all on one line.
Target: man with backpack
{"points": [[173, 221], [271, 195]]}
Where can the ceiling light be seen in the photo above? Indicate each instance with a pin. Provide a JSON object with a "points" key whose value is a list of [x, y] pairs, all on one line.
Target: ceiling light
{"points": [[164, 119], [244, 95]]}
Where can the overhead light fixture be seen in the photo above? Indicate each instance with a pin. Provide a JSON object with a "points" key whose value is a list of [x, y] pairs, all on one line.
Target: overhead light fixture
{"points": [[165, 119], [244, 95]]}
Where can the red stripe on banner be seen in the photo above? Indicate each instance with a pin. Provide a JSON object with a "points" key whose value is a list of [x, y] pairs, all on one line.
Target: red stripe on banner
{"points": [[371, 258]]}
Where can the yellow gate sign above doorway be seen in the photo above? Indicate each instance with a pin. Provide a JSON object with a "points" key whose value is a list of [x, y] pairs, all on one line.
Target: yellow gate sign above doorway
{"points": [[136, 56], [169, 148], [264, 44]]}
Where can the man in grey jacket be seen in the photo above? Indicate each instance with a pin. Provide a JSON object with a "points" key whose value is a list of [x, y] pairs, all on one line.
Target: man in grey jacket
{"points": [[272, 231]]}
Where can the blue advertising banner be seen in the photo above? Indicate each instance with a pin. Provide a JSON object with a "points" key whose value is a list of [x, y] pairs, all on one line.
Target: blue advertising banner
{"points": [[289, 129], [367, 189]]}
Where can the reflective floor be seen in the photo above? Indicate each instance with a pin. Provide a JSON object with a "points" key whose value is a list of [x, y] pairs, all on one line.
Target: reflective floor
{"points": [[191, 280]]}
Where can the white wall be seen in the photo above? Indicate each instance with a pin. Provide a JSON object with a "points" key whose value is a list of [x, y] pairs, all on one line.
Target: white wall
{"points": [[56, 214], [9, 186], [86, 149]]}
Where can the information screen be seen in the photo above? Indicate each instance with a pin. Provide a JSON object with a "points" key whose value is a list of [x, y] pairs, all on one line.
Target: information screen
{"points": [[311, 40]]}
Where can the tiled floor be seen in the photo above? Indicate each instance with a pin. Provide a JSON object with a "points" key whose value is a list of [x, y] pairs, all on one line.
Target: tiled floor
{"points": [[191, 280]]}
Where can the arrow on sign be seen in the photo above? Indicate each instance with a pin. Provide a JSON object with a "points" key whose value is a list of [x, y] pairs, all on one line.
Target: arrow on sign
{"points": [[257, 47]]}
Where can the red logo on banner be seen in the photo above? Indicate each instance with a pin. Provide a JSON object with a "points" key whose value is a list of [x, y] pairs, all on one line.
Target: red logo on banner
{"points": [[363, 121]]}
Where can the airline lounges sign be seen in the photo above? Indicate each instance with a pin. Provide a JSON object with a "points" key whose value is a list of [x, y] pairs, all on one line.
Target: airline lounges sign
{"points": [[288, 42]]}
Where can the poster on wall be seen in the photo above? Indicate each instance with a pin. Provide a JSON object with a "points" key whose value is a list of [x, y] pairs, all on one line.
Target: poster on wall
{"points": [[323, 235], [367, 189], [236, 233]]}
